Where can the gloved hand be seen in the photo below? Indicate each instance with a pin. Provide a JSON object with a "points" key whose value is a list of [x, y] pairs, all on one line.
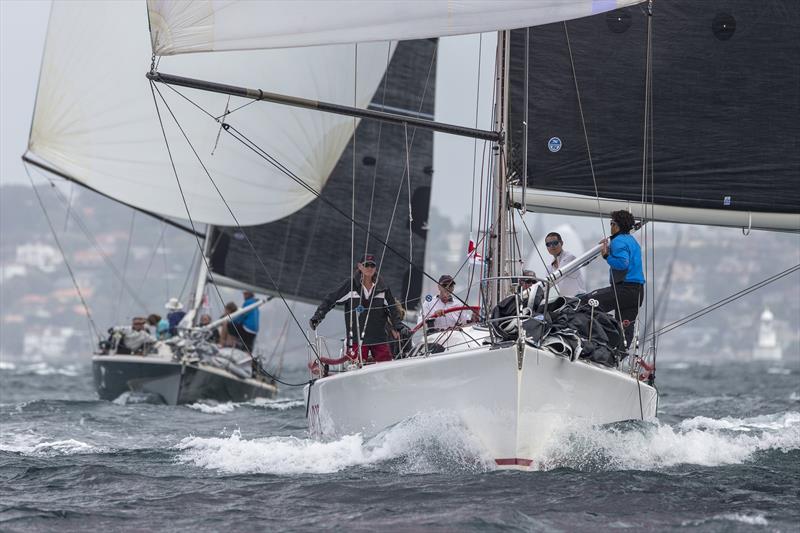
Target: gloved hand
{"points": [[404, 331], [314, 321]]}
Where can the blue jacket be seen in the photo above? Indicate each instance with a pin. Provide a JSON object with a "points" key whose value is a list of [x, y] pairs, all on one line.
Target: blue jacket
{"points": [[625, 255], [251, 319]]}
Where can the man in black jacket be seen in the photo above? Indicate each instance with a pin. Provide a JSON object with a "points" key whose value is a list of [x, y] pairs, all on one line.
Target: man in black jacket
{"points": [[368, 303]]}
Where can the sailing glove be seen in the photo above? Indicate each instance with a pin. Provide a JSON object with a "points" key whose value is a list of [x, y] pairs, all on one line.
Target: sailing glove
{"points": [[314, 321]]}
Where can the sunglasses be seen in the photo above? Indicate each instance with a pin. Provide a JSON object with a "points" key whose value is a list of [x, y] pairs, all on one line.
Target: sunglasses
{"points": [[552, 244], [369, 265], [613, 223]]}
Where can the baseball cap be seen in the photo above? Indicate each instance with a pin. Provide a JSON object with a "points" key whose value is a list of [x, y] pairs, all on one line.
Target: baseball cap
{"points": [[446, 279]]}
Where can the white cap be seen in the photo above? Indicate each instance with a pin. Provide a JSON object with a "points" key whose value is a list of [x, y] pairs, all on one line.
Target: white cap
{"points": [[173, 304]]}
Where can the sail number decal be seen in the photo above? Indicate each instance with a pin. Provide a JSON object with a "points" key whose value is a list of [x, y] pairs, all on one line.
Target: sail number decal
{"points": [[554, 144]]}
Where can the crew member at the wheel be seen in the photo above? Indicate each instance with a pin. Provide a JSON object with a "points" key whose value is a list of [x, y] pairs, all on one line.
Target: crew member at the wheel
{"points": [[434, 307], [368, 304]]}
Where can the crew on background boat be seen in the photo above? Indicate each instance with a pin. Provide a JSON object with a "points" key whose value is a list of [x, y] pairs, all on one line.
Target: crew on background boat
{"points": [[152, 323], [228, 335], [175, 314], [368, 304], [434, 307], [134, 339], [572, 284], [205, 320], [625, 292], [247, 323]]}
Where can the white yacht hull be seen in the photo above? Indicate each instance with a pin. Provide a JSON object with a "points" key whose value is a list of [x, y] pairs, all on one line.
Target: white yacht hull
{"points": [[514, 412]]}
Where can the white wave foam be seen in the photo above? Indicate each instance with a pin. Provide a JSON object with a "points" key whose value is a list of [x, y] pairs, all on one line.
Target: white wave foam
{"points": [[213, 408], [35, 445], [418, 444], [273, 455], [754, 520], [279, 405], [794, 396], [45, 369], [779, 371], [7, 365], [700, 441]]}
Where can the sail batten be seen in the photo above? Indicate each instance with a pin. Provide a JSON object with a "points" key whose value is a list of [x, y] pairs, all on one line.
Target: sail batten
{"points": [[211, 26]]}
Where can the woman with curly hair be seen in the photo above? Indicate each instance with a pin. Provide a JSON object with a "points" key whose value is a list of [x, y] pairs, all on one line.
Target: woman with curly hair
{"points": [[625, 292]]}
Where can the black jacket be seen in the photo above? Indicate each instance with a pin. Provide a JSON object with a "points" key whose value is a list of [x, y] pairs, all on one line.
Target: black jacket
{"points": [[369, 314]]}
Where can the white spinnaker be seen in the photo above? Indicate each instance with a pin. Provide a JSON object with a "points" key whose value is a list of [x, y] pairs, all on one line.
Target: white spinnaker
{"points": [[204, 25], [95, 118]]}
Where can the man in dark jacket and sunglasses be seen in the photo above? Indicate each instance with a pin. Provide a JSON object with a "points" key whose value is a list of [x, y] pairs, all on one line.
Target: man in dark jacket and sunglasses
{"points": [[368, 304]]}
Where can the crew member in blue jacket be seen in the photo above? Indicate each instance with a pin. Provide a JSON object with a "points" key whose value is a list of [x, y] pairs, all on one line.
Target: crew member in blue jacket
{"points": [[625, 292], [247, 324]]}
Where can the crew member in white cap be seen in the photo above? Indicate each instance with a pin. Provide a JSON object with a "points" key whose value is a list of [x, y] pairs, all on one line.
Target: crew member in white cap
{"points": [[175, 314]]}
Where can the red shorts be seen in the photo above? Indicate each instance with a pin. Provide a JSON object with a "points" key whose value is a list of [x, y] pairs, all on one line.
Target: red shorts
{"points": [[381, 353]]}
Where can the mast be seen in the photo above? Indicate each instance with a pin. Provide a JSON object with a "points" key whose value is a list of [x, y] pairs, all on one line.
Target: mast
{"points": [[500, 234]]}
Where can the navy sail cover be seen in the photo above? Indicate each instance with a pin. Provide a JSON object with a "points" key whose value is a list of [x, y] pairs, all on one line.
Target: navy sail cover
{"points": [[725, 104], [308, 253]]}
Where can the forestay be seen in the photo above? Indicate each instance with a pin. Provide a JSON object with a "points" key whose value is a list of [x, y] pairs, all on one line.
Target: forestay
{"points": [[95, 119], [216, 25], [725, 104], [308, 253]]}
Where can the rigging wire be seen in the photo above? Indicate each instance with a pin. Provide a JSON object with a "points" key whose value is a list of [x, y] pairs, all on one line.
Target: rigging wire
{"points": [[155, 90], [378, 148], [88, 234], [720, 303], [92, 326], [118, 303], [159, 241], [648, 232], [353, 204], [589, 153]]}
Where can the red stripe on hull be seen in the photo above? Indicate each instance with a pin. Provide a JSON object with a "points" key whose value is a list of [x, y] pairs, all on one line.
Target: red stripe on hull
{"points": [[516, 461]]}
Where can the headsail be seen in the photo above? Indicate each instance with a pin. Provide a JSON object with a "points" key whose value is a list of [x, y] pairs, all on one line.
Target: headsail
{"points": [[201, 26], [95, 119], [726, 112], [309, 252]]}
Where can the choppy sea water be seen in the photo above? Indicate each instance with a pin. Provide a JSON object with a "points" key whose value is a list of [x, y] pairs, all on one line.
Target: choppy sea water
{"points": [[723, 456]]}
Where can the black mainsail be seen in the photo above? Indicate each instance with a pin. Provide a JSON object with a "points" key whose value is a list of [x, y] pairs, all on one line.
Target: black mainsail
{"points": [[725, 106]]}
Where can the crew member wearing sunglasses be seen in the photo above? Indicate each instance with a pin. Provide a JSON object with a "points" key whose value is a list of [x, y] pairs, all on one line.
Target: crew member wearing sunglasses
{"points": [[368, 304], [572, 284], [626, 279], [434, 307]]}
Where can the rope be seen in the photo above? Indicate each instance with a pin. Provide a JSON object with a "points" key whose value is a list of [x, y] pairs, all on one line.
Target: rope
{"points": [[88, 234], [720, 303], [124, 266], [378, 150], [155, 90], [589, 153], [353, 197], [152, 258], [92, 326]]}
